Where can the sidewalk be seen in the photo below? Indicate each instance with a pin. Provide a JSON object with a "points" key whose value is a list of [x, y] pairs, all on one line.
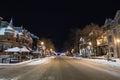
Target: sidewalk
{"points": [[103, 61], [28, 61], [38, 60]]}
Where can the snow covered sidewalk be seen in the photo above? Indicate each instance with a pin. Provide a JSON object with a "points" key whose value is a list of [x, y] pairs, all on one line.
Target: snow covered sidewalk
{"points": [[103, 61], [41, 61], [29, 62], [8, 64]]}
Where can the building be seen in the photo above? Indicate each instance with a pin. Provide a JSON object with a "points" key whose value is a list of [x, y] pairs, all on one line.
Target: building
{"points": [[106, 41], [12, 36], [109, 41]]}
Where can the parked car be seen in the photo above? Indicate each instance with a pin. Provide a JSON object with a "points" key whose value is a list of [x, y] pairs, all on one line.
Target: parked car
{"points": [[14, 60], [62, 54]]}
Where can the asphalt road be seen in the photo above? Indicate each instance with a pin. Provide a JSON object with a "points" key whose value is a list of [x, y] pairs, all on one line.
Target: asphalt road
{"points": [[61, 68]]}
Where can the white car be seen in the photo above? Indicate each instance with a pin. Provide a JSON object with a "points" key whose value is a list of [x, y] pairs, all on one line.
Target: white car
{"points": [[62, 54]]}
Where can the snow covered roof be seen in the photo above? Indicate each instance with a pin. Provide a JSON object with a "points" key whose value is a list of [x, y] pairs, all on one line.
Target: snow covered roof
{"points": [[9, 27], [2, 30], [4, 24], [24, 49], [19, 33], [36, 51], [15, 49], [19, 29], [11, 23]]}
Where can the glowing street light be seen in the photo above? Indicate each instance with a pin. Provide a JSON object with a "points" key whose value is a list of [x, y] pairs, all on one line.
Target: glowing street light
{"points": [[42, 43], [90, 43], [98, 43], [118, 40], [51, 49]]}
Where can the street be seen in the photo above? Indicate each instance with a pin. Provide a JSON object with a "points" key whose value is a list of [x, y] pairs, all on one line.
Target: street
{"points": [[61, 68]]}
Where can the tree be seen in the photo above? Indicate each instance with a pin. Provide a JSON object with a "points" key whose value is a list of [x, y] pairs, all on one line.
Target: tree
{"points": [[73, 41], [67, 45], [77, 33], [92, 32], [48, 43], [35, 41]]}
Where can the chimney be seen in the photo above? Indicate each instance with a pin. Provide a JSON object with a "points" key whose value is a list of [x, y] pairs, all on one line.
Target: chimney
{"points": [[1, 20]]}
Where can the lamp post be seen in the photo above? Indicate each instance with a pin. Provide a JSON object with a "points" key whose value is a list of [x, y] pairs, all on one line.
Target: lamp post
{"points": [[118, 41], [98, 47], [89, 50], [43, 48], [51, 51], [41, 45]]}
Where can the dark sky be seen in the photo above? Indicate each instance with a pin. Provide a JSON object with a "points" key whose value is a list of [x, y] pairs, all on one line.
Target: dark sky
{"points": [[54, 19]]}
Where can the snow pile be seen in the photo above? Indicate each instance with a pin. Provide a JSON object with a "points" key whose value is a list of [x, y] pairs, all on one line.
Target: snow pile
{"points": [[52, 57], [40, 61], [102, 61], [117, 64], [30, 62], [9, 78]]}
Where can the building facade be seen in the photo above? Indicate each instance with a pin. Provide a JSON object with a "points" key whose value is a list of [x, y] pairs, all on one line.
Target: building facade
{"points": [[110, 39], [12, 36]]}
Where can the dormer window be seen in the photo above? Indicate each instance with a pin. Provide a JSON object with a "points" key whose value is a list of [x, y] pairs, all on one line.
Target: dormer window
{"points": [[119, 21], [8, 36], [110, 38]]}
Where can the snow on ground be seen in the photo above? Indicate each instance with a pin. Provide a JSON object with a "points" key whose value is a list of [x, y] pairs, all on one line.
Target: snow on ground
{"points": [[10, 79], [40, 61], [103, 61], [30, 62], [9, 64]]}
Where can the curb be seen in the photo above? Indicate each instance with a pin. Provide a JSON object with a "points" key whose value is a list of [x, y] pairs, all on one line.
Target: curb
{"points": [[24, 62]]}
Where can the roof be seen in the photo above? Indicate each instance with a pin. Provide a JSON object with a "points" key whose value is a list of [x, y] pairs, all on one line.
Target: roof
{"points": [[2, 30], [4, 24], [9, 27], [19, 29]]}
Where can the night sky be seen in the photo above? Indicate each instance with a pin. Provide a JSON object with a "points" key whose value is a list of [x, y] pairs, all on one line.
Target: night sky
{"points": [[54, 19]]}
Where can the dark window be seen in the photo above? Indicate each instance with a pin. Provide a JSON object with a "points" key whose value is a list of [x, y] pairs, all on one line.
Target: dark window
{"points": [[8, 36], [111, 49], [1, 47], [119, 21], [114, 30], [110, 38], [108, 27], [119, 34]]}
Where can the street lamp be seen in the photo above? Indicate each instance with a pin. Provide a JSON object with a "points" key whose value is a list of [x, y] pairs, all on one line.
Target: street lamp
{"points": [[42, 43], [118, 41], [90, 43], [98, 51], [98, 43], [51, 49], [43, 48]]}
